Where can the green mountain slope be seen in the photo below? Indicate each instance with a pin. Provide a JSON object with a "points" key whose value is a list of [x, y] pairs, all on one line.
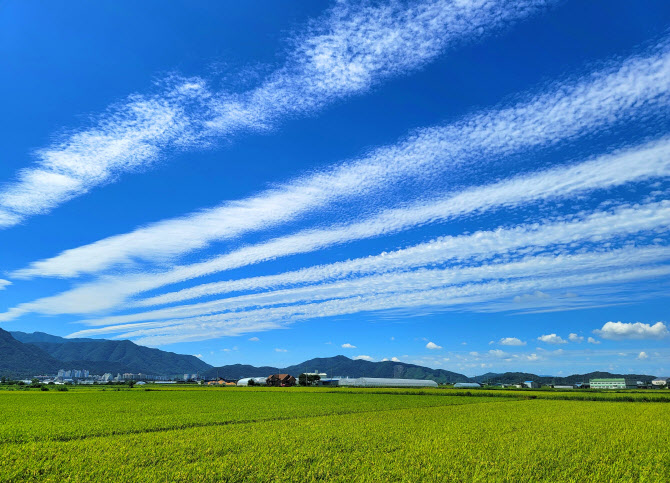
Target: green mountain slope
{"points": [[23, 360], [112, 356], [342, 366]]}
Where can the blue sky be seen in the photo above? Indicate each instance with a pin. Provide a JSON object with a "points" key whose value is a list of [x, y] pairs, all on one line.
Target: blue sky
{"points": [[475, 185]]}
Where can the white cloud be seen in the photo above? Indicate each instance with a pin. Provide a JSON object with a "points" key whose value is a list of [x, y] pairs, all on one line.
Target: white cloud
{"points": [[642, 356], [498, 353], [552, 339], [89, 297], [469, 295], [348, 346], [591, 340], [572, 109], [575, 338], [412, 281], [4, 283], [254, 339], [433, 346], [345, 52], [601, 225], [281, 350], [637, 330], [511, 341], [199, 356], [364, 358]]}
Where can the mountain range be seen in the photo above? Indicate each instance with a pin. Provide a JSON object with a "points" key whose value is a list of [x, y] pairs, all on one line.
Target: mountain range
{"points": [[25, 355]]}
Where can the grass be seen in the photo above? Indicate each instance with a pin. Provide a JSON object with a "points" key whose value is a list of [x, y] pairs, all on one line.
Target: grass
{"points": [[251, 434]]}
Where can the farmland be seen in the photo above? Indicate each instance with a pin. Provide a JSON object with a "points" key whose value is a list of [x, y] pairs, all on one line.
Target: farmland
{"points": [[258, 434]]}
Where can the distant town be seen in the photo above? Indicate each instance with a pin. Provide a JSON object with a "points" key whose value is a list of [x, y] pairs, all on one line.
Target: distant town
{"points": [[316, 378]]}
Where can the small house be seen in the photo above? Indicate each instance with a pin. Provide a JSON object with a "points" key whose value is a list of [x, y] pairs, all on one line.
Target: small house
{"points": [[280, 380]]}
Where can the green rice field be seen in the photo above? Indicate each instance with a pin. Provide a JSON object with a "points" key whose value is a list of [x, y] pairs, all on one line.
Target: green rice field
{"points": [[319, 434]]}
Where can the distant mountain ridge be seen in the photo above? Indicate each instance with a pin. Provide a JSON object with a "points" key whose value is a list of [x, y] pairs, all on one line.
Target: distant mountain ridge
{"points": [[341, 366], [26, 354], [21, 359], [100, 355]]}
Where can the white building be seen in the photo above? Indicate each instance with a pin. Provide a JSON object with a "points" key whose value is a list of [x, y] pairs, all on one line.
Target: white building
{"points": [[660, 382], [385, 382], [258, 381], [612, 383]]}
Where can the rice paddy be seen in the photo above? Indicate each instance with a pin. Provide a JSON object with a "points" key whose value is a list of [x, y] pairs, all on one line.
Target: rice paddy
{"points": [[262, 434]]}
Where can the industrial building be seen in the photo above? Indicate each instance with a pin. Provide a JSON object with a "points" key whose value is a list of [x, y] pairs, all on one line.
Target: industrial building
{"points": [[613, 383], [660, 382], [531, 384], [384, 382]]}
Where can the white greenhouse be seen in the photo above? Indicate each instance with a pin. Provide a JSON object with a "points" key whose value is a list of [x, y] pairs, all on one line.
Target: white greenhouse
{"points": [[385, 382], [467, 385], [258, 381]]}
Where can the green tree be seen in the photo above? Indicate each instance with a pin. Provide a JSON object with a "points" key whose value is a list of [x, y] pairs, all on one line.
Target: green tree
{"points": [[308, 379]]}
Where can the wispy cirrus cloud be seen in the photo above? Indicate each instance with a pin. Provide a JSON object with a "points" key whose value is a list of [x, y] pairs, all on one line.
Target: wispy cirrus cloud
{"points": [[350, 48], [467, 297], [530, 268], [620, 93], [623, 221], [129, 135], [649, 161]]}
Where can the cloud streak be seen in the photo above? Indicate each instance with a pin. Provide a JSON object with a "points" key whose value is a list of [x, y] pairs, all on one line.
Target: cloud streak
{"points": [[349, 49], [623, 92], [531, 268], [463, 297], [599, 226]]}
